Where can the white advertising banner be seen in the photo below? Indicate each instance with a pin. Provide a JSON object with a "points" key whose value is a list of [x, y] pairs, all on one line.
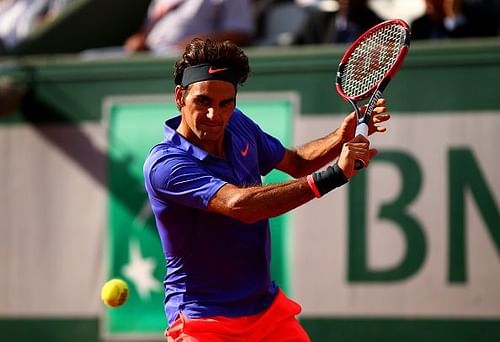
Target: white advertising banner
{"points": [[415, 235]]}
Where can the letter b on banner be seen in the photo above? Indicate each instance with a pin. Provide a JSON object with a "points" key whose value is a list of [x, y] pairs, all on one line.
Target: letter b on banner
{"points": [[394, 211]]}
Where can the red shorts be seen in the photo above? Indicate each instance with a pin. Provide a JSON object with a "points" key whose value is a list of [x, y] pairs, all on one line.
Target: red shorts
{"points": [[277, 323]]}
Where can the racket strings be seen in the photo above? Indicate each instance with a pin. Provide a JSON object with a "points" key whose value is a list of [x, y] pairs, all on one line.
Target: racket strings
{"points": [[372, 59]]}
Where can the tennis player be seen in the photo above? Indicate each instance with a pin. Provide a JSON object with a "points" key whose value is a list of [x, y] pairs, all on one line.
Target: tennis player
{"points": [[211, 210]]}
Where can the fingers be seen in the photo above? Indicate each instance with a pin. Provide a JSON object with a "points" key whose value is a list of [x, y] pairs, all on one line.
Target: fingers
{"points": [[359, 139], [379, 116], [356, 149], [376, 120], [372, 153], [380, 108]]}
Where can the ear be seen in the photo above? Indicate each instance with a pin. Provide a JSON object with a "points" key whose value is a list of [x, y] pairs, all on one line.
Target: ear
{"points": [[179, 96]]}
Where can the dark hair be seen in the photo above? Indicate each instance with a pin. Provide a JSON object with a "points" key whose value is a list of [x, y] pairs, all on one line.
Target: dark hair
{"points": [[220, 54]]}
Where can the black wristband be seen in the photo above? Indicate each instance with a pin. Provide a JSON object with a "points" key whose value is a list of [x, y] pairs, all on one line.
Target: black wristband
{"points": [[329, 179]]}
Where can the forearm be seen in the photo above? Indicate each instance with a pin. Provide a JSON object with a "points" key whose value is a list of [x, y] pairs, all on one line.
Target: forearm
{"points": [[261, 202], [313, 155], [321, 151]]}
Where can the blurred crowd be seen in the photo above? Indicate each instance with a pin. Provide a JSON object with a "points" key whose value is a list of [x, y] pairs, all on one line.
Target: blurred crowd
{"points": [[169, 24], [20, 18]]}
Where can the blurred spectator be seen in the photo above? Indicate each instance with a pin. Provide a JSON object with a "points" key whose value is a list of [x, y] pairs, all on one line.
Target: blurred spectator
{"points": [[344, 25], [283, 23], [455, 19], [261, 10], [19, 18], [170, 24], [54, 8], [10, 96]]}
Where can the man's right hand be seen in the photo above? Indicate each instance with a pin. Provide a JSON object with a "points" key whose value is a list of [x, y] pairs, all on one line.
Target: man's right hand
{"points": [[357, 148]]}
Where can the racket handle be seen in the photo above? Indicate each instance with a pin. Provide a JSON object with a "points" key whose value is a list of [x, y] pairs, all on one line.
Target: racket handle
{"points": [[362, 129]]}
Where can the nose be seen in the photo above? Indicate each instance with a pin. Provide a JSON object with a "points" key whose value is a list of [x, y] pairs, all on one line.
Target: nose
{"points": [[211, 113]]}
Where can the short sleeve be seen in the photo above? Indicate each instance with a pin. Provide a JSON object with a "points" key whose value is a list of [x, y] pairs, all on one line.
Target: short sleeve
{"points": [[182, 179]]}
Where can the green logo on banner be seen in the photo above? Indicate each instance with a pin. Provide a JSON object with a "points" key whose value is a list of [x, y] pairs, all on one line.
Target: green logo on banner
{"points": [[133, 247]]}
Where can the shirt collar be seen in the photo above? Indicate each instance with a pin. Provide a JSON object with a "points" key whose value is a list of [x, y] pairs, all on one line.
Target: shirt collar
{"points": [[179, 141]]}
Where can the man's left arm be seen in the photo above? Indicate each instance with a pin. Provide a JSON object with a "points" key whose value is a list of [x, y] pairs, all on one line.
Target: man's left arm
{"points": [[315, 154]]}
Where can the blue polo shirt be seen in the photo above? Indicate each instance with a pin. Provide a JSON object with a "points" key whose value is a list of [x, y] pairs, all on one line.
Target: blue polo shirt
{"points": [[215, 265]]}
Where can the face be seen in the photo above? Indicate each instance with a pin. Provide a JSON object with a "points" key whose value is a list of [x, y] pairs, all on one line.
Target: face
{"points": [[206, 110]]}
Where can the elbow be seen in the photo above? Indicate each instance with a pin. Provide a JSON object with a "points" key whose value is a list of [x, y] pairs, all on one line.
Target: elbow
{"points": [[300, 172], [239, 209], [301, 168], [248, 219]]}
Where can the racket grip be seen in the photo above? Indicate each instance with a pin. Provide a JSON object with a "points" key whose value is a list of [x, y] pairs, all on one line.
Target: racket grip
{"points": [[362, 129]]}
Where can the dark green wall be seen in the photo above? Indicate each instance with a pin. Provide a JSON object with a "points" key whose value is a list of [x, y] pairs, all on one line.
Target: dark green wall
{"points": [[450, 76]]}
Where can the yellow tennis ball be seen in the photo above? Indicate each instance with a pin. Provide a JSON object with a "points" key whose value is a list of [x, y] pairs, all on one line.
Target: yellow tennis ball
{"points": [[114, 292]]}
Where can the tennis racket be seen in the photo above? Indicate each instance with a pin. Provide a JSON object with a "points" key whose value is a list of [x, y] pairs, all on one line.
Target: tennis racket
{"points": [[368, 66]]}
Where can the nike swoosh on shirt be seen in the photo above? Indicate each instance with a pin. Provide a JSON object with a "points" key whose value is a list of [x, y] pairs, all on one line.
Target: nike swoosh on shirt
{"points": [[214, 70], [244, 152]]}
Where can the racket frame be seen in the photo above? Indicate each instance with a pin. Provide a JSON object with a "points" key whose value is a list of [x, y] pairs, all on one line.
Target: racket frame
{"points": [[377, 89]]}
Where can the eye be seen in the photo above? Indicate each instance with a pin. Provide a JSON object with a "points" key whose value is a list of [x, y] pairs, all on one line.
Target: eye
{"points": [[202, 101], [227, 103]]}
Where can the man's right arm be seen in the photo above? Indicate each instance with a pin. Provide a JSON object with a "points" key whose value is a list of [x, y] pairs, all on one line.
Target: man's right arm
{"points": [[251, 204]]}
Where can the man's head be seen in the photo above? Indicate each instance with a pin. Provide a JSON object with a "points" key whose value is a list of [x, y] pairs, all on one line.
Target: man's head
{"points": [[210, 59], [206, 79]]}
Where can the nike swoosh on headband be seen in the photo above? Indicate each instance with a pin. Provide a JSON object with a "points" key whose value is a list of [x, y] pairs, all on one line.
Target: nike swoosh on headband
{"points": [[206, 72], [215, 70]]}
